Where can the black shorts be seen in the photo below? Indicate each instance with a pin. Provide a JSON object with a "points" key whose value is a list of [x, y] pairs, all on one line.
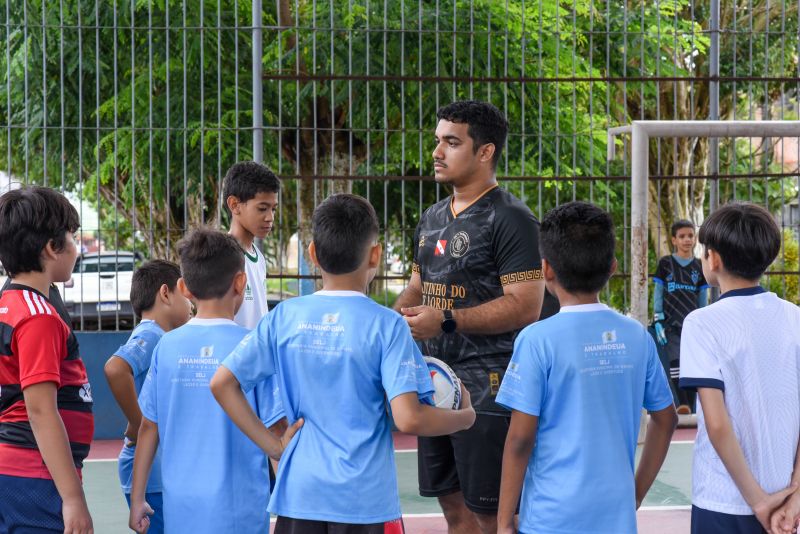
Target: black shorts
{"points": [[288, 525], [469, 461], [708, 522]]}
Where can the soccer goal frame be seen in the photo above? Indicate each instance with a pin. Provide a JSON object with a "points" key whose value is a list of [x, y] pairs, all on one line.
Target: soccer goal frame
{"points": [[641, 133]]}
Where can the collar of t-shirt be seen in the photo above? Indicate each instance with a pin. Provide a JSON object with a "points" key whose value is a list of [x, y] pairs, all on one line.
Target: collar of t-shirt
{"points": [[339, 293], [683, 262], [743, 292], [197, 321], [577, 308]]}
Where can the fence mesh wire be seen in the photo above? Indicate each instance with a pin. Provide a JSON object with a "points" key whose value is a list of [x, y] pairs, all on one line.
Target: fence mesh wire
{"points": [[136, 109]]}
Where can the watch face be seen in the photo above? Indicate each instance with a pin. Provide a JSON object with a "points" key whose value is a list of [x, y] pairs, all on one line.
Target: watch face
{"points": [[449, 326]]}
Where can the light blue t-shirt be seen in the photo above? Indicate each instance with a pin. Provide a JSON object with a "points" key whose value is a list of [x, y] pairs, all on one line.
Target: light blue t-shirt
{"points": [[339, 358], [586, 373], [137, 352], [214, 479]]}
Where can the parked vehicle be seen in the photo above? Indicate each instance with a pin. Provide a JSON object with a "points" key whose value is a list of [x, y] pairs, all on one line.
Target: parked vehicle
{"points": [[98, 294]]}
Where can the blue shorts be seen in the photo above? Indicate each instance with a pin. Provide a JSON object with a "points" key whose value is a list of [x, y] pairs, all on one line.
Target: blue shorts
{"points": [[157, 504], [708, 522], [29, 506]]}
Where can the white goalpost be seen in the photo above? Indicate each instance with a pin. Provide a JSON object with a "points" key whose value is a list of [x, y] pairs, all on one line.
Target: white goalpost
{"points": [[641, 132]]}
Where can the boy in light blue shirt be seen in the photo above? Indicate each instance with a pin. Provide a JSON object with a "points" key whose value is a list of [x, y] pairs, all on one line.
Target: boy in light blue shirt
{"points": [[156, 300], [576, 385], [338, 358], [213, 478]]}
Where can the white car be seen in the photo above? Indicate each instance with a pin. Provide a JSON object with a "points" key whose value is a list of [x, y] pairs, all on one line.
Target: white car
{"points": [[98, 294]]}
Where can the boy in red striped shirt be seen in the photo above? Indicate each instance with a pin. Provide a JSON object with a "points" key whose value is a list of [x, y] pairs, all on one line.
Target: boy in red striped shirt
{"points": [[46, 421]]}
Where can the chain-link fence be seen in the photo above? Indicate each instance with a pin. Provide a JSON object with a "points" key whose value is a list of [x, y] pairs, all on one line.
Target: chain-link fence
{"points": [[137, 108]]}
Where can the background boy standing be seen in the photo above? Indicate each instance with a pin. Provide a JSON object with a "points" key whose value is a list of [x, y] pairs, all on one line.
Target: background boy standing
{"points": [[161, 307], [741, 354], [46, 422], [251, 195], [338, 358], [576, 385], [680, 288], [213, 478]]}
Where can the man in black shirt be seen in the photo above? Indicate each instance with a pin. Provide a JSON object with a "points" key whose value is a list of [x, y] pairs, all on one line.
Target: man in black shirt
{"points": [[476, 281]]}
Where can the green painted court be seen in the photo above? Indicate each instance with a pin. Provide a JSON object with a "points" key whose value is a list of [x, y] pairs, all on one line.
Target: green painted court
{"points": [[665, 511]]}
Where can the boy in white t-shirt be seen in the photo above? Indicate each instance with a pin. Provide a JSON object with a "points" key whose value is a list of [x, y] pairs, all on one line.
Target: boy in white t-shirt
{"points": [[251, 195], [742, 354]]}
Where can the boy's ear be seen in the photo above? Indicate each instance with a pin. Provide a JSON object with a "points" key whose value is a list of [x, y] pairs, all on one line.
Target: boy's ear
{"points": [[614, 266], [239, 282], [233, 204], [375, 254], [163, 294], [547, 271], [185, 290], [312, 252], [713, 260]]}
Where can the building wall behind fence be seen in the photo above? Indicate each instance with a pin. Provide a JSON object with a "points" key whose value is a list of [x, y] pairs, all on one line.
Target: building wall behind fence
{"points": [[137, 109]]}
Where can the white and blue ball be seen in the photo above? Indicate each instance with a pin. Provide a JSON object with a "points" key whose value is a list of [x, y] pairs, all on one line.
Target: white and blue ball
{"points": [[446, 385]]}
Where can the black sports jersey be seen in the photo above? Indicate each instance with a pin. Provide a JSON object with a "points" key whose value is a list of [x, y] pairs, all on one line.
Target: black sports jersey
{"points": [[681, 288], [465, 260]]}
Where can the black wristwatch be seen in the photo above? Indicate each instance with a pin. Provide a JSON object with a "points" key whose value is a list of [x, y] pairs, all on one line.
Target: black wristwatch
{"points": [[448, 323]]}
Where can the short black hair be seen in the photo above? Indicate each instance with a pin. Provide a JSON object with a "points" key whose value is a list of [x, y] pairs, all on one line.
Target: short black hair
{"points": [[147, 281], [209, 262], [245, 179], [577, 240], [30, 218], [343, 227], [486, 123], [680, 223], [745, 236]]}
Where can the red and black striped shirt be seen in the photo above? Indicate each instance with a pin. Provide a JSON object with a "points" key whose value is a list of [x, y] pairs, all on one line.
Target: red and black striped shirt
{"points": [[37, 346]]}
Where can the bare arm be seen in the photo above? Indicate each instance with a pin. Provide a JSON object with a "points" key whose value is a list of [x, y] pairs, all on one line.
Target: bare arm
{"points": [[519, 306], [720, 432], [120, 379], [412, 417], [147, 444], [516, 454], [656, 444], [53, 442], [411, 295], [229, 395]]}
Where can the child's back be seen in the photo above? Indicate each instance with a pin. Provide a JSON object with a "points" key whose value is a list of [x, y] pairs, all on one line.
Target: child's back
{"points": [[748, 344], [587, 372], [338, 355], [214, 478]]}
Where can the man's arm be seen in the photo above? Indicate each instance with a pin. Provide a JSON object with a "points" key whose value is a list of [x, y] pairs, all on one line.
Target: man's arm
{"points": [[411, 295], [518, 307], [229, 395], [720, 432], [139, 518], [120, 380], [656, 443], [51, 438], [516, 454], [413, 417]]}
